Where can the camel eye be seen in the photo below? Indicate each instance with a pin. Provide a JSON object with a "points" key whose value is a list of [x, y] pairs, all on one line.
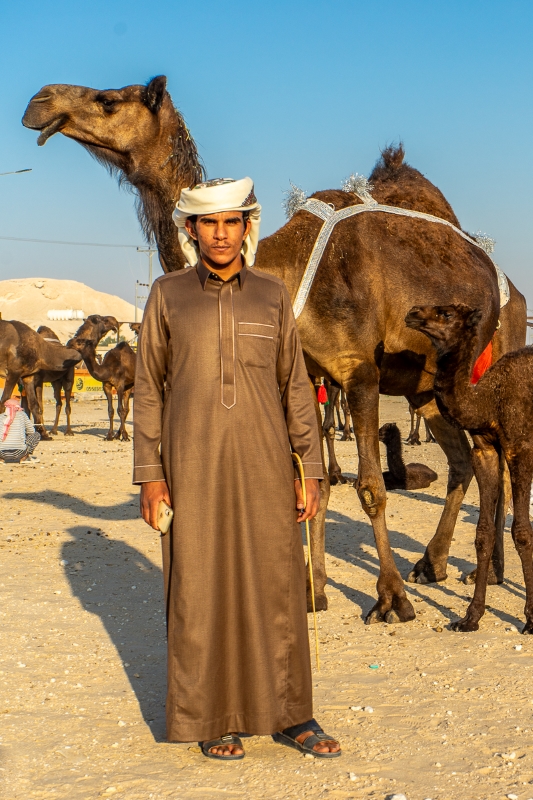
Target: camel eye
{"points": [[108, 104]]}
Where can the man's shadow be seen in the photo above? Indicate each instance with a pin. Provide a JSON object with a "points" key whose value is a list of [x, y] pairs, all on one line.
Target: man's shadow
{"points": [[131, 608]]}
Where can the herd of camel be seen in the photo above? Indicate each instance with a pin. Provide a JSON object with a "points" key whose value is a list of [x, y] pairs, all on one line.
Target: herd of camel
{"points": [[31, 358], [399, 306]]}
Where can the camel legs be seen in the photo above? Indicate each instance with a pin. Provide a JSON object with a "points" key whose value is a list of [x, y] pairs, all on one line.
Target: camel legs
{"points": [[414, 432], [108, 391], [347, 432], [362, 391], [485, 460], [497, 564], [521, 470], [318, 531], [432, 566], [328, 429], [10, 383], [123, 411], [33, 404], [56, 386], [68, 411]]}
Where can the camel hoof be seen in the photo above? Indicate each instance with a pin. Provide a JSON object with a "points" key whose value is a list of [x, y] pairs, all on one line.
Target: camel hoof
{"points": [[69, 433], [528, 628], [423, 573], [109, 437], [45, 437], [464, 626], [391, 617], [53, 433], [492, 579], [321, 603], [413, 442], [337, 478], [373, 616], [348, 438]]}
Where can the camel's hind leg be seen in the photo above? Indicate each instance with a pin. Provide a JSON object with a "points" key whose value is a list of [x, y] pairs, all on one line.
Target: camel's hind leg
{"points": [[35, 408], [67, 385], [10, 383], [123, 410], [362, 389], [328, 429], [497, 564], [57, 387], [521, 469], [485, 459], [347, 431], [318, 531], [108, 391], [432, 566], [414, 432]]}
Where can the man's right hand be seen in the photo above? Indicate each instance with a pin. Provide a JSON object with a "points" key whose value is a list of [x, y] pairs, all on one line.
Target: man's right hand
{"points": [[151, 495]]}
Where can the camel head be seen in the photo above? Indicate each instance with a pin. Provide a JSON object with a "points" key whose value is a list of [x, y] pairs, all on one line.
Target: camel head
{"points": [[388, 432], [94, 328], [135, 327], [138, 135], [445, 326]]}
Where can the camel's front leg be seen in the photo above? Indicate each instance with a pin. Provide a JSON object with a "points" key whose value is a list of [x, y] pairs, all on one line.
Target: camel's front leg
{"points": [[362, 391], [328, 429], [432, 566], [68, 410], [486, 468], [123, 410], [108, 391], [347, 431]]}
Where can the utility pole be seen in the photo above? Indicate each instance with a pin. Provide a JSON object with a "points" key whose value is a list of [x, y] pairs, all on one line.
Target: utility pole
{"points": [[140, 296], [150, 251]]}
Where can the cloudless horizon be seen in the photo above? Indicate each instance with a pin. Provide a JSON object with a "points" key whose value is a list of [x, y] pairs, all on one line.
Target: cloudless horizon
{"points": [[307, 92]]}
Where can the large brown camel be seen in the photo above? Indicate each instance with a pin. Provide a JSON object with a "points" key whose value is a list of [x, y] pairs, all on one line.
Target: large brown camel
{"points": [[117, 370], [498, 412], [25, 356], [373, 269]]}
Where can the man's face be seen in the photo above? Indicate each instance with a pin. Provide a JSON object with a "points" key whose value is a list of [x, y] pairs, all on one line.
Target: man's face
{"points": [[219, 236]]}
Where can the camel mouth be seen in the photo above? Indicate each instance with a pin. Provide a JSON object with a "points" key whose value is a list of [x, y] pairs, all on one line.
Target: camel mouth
{"points": [[48, 130], [412, 320]]}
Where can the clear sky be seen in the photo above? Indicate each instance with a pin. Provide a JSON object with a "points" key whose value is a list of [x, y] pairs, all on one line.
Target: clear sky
{"points": [[303, 91]]}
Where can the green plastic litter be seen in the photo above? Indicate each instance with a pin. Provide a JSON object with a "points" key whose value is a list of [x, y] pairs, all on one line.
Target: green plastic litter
{"points": [[374, 666]]}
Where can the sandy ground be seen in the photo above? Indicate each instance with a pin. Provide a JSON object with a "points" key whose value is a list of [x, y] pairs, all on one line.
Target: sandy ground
{"points": [[420, 710]]}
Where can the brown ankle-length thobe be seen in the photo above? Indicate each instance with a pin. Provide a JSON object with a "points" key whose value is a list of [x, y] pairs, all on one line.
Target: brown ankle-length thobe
{"points": [[221, 396]]}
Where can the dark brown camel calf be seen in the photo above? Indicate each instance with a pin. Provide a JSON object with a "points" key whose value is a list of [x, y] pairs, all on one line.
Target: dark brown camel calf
{"points": [[401, 475], [498, 412]]}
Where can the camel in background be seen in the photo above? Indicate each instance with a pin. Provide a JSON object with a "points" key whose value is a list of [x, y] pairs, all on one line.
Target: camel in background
{"points": [[25, 356], [375, 263], [61, 382], [116, 371], [498, 412]]}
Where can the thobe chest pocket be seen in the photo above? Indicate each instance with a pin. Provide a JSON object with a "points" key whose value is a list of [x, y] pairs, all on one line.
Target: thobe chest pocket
{"points": [[256, 344]]}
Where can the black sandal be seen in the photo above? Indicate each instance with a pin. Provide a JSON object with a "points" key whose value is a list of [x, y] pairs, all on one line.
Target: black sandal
{"points": [[288, 738], [229, 738]]}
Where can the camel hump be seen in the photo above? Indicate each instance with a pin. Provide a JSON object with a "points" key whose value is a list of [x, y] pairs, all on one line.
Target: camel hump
{"points": [[396, 183], [392, 156]]}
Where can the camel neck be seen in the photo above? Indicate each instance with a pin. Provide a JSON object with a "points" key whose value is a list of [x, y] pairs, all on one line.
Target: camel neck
{"points": [[456, 397], [395, 460]]}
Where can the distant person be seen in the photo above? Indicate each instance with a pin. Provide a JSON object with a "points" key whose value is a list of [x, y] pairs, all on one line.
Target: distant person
{"points": [[18, 437]]}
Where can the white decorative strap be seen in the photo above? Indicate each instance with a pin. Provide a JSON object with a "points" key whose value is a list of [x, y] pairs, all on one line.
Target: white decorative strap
{"points": [[331, 217]]}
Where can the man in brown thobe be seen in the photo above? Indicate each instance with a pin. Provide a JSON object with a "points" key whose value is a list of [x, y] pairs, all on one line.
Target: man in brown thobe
{"points": [[221, 397]]}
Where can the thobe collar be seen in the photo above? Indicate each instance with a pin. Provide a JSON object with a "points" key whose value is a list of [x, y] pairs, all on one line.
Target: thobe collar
{"points": [[204, 273]]}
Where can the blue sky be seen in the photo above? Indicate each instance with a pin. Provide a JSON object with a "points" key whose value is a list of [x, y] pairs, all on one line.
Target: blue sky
{"points": [[302, 91]]}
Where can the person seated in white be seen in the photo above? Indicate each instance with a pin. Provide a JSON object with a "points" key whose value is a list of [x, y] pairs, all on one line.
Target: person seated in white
{"points": [[18, 437]]}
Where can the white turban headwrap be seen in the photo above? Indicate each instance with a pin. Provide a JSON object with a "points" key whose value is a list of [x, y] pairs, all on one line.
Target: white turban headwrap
{"points": [[212, 197]]}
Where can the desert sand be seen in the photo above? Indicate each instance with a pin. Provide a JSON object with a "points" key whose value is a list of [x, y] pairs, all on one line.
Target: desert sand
{"points": [[419, 710]]}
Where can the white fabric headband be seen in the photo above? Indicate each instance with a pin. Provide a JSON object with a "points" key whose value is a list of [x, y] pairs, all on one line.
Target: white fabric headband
{"points": [[212, 197]]}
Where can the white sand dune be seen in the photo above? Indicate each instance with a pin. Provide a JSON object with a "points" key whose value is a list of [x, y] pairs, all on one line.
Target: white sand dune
{"points": [[30, 299]]}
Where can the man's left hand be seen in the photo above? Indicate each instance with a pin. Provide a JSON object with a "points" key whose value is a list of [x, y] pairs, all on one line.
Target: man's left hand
{"points": [[312, 499]]}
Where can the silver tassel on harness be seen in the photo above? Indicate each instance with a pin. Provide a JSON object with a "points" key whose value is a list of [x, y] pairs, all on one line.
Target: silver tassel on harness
{"points": [[359, 185], [486, 242], [293, 201]]}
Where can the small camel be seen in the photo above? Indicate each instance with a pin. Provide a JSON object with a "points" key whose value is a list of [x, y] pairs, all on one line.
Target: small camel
{"points": [[401, 475], [24, 355], [117, 370], [62, 381], [498, 413]]}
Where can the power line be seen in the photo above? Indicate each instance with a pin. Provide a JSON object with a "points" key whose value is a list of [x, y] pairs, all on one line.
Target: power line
{"points": [[53, 241]]}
